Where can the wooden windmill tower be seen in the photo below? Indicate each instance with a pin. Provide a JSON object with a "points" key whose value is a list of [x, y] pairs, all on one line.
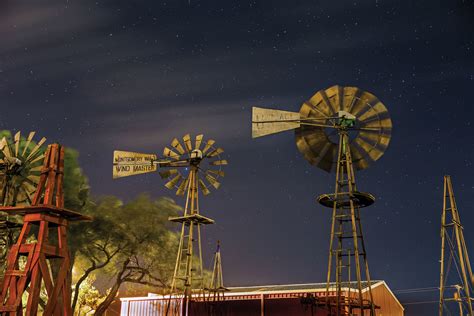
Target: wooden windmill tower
{"points": [[341, 129], [452, 240], [190, 169], [38, 258]]}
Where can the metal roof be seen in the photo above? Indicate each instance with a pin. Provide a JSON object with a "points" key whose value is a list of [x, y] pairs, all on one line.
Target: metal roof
{"points": [[309, 287]]}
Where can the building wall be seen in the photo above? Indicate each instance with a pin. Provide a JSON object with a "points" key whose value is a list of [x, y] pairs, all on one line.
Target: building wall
{"points": [[388, 304], [260, 305]]}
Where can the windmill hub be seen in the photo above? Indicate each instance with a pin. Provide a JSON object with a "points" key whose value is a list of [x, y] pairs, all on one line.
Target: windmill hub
{"points": [[195, 157], [345, 119], [13, 161]]}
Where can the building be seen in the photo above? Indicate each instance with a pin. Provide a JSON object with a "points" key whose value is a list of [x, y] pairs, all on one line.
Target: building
{"points": [[272, 300]]}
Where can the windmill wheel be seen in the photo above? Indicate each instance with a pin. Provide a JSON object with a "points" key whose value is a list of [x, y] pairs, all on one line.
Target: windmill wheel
{"points": [[196, 155], [21, 162], [359, 113]]}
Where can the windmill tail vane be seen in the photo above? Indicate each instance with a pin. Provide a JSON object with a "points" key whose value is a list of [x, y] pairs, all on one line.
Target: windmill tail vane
{"points": [[128, 163]]}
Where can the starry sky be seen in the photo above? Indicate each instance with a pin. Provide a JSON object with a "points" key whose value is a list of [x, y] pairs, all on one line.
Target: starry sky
{"points": [[132, 75]]}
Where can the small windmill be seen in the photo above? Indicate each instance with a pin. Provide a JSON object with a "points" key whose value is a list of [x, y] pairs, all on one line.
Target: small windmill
{"points": [[216, 287], [191, 169], [452, 238], [342, 129]]}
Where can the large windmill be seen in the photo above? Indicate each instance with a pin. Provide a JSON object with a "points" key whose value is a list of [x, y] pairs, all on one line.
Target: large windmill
{"points": [[191, 169], [341, 129]]}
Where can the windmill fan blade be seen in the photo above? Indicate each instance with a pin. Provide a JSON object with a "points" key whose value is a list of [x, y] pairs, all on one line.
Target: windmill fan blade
{"points": [[23, 197], [28, 187], [182, 187], [380, 140], [36, 148], [359, 161], [327, 95], [317, 105], [16, 138], [215, 152], [172, 183], [213, 181], [351, 97], [171, 154], [36, 169], [28, 142], [3, 143], [6, 148], [168, 173], [40, 157], [328, 157], [203, 187], [218, 162], [187, 142], [373, 152], [365, 101], [32, 179], [177, 145], [219, 173], [385, 124], [198, 141], [208, 145]]}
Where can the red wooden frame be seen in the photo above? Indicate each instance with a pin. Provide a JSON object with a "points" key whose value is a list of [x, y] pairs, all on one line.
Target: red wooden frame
{"points": [[46, 214]]}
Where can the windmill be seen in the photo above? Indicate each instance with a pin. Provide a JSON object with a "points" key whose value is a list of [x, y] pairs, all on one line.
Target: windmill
{"points": [[20, 167], [452, 238], [341, 129], [191, 169], [216, 287]]}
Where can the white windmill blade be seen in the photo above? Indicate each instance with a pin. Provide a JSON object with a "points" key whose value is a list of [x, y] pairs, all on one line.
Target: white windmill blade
{"points": [[270, 121]]}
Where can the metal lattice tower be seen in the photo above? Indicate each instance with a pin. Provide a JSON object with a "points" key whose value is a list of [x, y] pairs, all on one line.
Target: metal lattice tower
{"points": [[216, 286], [188, 170], [452, 237], [347, 241], [216, 290], [343, 129]]}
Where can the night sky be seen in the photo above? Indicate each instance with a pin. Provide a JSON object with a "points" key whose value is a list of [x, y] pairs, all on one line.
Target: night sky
{"points": [[132, 75]]}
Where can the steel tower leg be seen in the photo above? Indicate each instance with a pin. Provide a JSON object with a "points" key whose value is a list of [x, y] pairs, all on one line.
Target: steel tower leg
{"points": [[347, 241]]}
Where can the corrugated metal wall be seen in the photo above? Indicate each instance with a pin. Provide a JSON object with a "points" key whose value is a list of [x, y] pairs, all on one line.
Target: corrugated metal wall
{"points": [[149, 307]]}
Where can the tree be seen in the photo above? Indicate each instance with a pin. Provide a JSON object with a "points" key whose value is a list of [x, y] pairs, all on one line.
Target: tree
{"points": [[130, 243]]}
